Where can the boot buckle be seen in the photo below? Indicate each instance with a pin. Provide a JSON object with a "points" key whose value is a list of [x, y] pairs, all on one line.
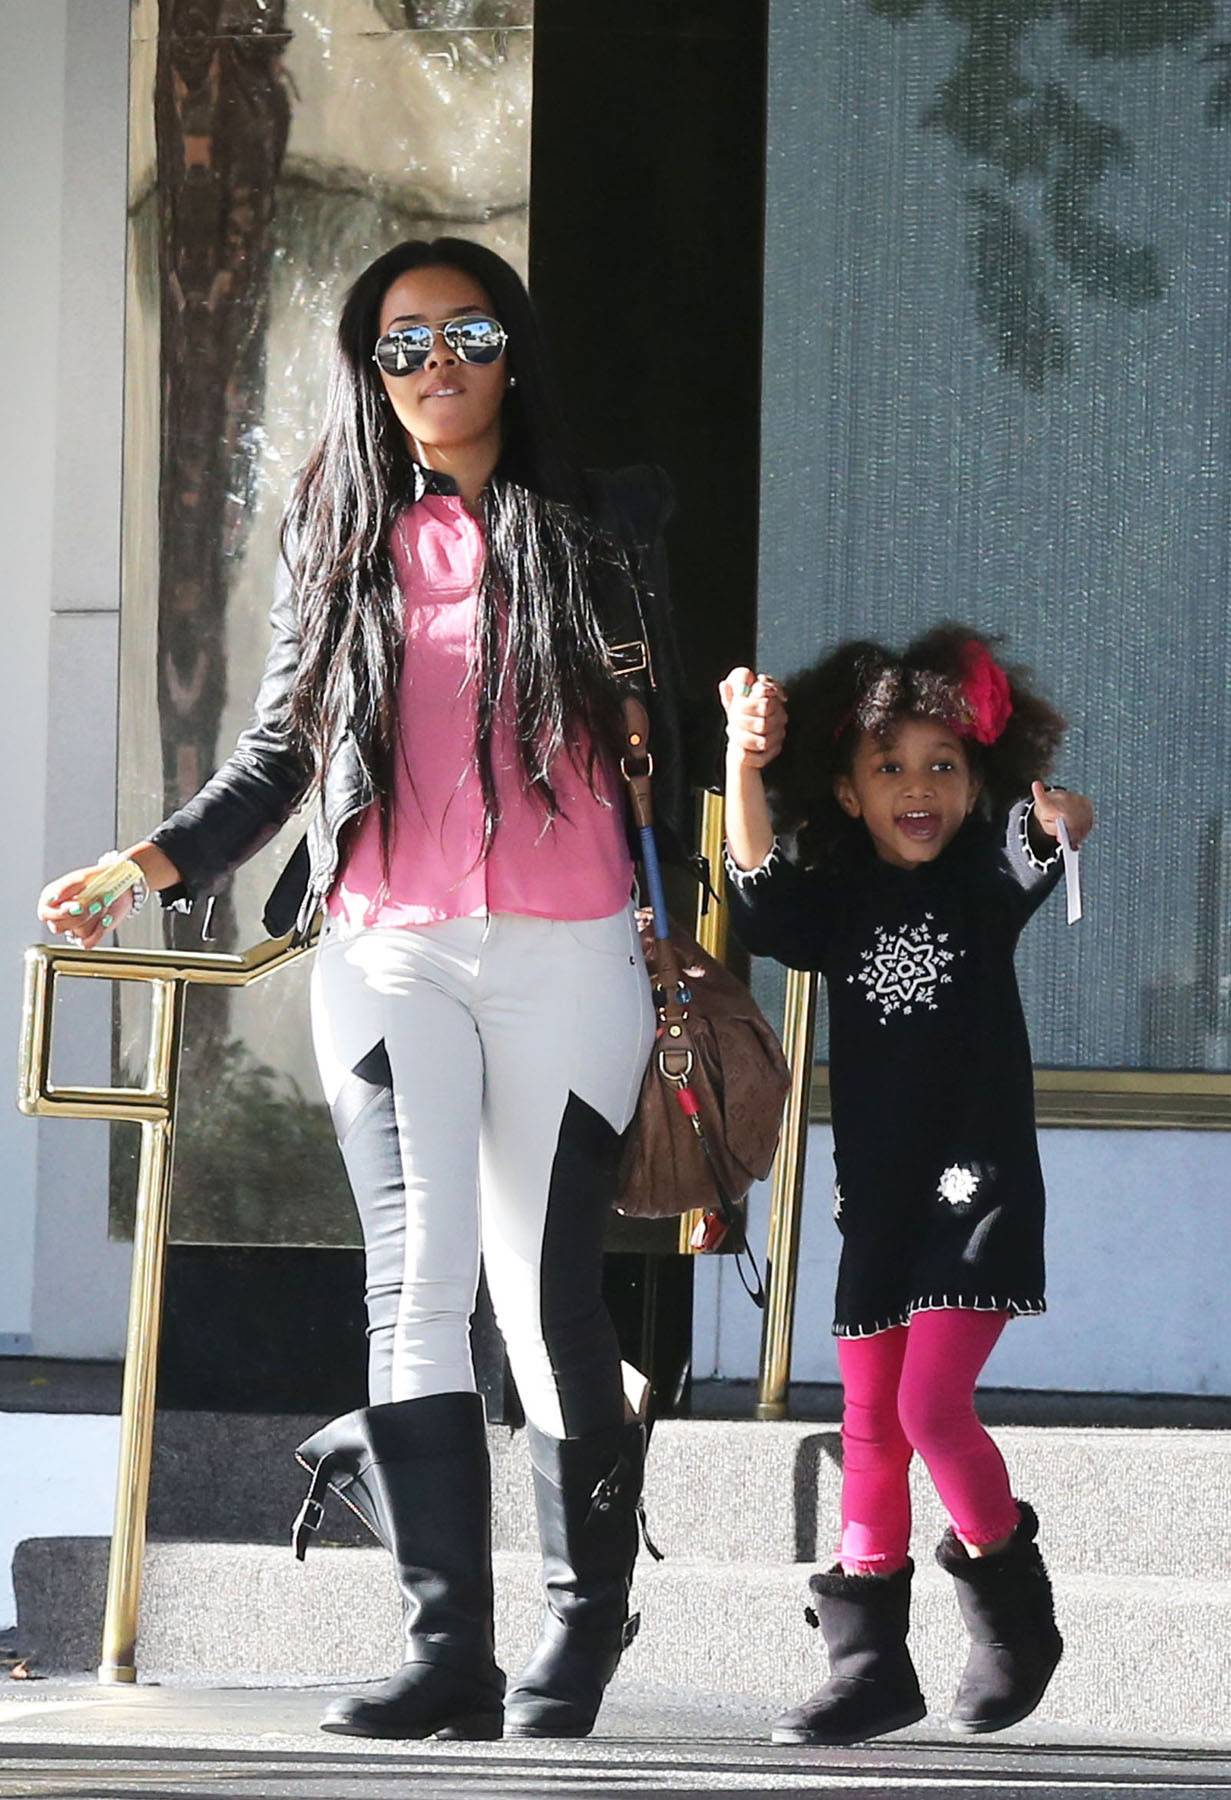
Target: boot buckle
{"points": [[307, 1520], [609, 1488], [605, 1493], [312, 1512], [629, 1630]]}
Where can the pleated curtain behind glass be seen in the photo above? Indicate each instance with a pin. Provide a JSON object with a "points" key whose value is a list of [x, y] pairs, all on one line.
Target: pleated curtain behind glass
{"points": [[998, 300]]}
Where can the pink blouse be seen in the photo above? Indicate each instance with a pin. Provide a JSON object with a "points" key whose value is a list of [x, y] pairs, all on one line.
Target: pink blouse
{"points": [[575, 866]]}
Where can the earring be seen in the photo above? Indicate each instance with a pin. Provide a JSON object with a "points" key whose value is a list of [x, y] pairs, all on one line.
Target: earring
{"points": [[512, 381]]}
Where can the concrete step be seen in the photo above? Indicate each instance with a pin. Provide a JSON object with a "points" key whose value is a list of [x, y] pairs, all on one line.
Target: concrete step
{"points": [[1146, 1654], [1110, 1500]]}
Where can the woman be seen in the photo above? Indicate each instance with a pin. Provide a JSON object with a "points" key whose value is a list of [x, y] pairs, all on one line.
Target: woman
{"points": [[441, 686]]}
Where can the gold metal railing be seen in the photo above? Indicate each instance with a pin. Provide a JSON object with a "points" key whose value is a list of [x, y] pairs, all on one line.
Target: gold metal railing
{"points": [[786, 1199], [169, 973], [711, 930], [787, 1191]]}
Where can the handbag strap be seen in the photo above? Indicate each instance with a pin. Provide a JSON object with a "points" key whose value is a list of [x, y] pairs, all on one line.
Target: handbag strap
{"points": [[675, 1054]]}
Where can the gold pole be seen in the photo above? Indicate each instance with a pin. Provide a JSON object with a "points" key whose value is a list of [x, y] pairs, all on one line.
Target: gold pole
{"points": [[150, 1233], [713, 919], [170, 973], [782, 1253], [35, 1052], [711, 931]]}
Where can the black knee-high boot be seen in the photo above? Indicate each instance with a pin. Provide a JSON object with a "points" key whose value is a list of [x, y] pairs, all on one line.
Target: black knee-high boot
{"points": [[587, 1492], [417, 1474], [872, 1686], [1007, 1604]]}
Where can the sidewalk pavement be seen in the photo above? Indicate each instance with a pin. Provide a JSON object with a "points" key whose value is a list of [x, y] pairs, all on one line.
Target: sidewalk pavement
{"points": [[73, 1740]]}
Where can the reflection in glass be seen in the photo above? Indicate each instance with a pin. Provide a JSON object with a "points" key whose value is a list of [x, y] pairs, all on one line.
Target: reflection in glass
{"points": [[276, 146]]}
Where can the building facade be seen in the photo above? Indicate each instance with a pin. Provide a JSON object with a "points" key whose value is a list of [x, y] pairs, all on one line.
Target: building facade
{"points": [[926, 318]]}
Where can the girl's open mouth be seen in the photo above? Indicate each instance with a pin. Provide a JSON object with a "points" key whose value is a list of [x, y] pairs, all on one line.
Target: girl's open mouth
{"points": [[922, 827]]}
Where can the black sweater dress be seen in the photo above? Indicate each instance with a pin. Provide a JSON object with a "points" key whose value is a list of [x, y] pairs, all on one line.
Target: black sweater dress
{"points": [[939, 1193]]}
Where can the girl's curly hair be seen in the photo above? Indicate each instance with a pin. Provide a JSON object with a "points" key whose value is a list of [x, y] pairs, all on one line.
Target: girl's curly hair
{"points": [[863, 686]]}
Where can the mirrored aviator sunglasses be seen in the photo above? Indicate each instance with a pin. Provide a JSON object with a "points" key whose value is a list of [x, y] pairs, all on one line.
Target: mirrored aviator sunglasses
{"points": [[475, 339]]}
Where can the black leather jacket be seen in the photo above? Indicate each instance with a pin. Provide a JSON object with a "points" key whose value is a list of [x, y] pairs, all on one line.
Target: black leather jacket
{"points": [[264, 780]]}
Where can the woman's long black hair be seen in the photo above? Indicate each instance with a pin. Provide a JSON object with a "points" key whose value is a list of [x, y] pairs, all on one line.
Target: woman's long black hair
{"points": [[546, 557], [864, 686]]}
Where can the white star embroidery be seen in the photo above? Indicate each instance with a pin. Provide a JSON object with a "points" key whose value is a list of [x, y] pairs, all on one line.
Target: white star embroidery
{"points": [[905, 968]]}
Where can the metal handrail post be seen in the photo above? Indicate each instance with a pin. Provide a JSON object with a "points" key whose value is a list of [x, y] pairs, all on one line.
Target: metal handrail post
{"points": [[151, 1230], [786, 1202], [786, 1198], [713, 917]]}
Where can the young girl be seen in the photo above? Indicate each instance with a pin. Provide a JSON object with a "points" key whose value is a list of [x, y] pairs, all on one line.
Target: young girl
{"points": [[924, 841]]}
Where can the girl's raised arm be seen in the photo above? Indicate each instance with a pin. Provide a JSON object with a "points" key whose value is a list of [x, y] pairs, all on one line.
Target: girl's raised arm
{"points": [[756, 729]]}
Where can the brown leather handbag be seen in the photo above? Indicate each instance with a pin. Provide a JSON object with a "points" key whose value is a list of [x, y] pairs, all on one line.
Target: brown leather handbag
{"points": [[738, 1077], [710, 1112]]}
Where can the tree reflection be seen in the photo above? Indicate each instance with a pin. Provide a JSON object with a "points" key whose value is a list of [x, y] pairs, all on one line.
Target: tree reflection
{"points": [[222, 109], [1029, 131]]}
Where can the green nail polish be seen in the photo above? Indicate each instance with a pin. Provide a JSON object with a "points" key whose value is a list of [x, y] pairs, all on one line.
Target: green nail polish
{"points": [[75, 907], [107, 920], [107, 899], [95, 907]]}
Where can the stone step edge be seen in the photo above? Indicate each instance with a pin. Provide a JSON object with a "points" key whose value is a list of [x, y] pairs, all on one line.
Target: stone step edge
{"points": [[1180, 1589], [1130, 1582], [288, 1425]]}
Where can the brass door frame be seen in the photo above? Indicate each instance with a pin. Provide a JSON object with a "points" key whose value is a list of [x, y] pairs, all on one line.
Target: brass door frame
{"points": [[1108, 1099], [1103, 1099]]}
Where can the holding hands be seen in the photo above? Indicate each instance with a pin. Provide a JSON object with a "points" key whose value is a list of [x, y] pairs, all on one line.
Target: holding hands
{"points": [[756, 718], [1052, 805], [756, 730]]}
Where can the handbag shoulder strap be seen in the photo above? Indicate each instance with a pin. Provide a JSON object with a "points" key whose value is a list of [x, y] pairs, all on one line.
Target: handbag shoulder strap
{"points": [[675, 1052]]}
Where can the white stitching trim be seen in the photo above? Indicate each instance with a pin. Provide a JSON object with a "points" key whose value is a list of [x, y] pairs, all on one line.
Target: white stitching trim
{"points": [[1037, 863], [1021, 1309], [743, 878]]}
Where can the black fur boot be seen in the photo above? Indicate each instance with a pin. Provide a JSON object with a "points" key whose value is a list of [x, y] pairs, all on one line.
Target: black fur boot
{"points": [[416, 1472], [872, 1686], [1006, 1601], [587, 1492]]}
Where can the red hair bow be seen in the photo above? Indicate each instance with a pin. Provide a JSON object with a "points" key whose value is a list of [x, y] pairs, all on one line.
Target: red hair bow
{"points": [[986, 696]]}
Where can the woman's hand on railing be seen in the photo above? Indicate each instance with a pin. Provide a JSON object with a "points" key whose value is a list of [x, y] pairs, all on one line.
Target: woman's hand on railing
{"points": [[63, 912]]}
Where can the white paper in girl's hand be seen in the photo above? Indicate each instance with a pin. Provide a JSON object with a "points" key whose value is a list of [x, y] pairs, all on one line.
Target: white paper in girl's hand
{"points": [[1072, 872]]}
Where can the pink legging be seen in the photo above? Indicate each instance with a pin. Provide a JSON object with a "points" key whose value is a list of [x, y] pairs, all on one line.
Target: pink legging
{"points": [[911, 1389]]}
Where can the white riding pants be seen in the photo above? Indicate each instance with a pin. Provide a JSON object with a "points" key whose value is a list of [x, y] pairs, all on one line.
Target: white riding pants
{"points": [[480, 1073]]}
